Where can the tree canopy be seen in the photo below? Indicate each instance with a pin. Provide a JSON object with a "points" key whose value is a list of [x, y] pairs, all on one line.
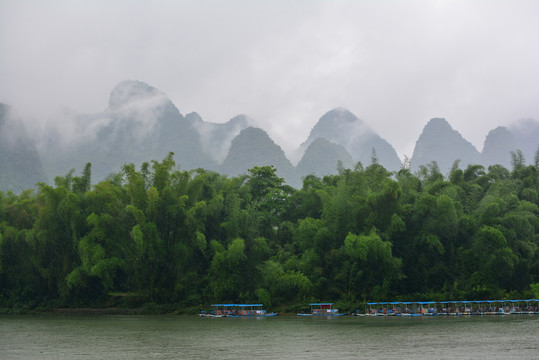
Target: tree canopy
{"points": [[190, 238]]}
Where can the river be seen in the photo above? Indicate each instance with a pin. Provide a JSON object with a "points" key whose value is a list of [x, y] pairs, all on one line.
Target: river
{"points": [[283, 337]]}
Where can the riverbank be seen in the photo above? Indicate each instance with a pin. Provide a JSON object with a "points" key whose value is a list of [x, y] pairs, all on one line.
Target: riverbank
{"points": [[74, 311], [144, 310]]}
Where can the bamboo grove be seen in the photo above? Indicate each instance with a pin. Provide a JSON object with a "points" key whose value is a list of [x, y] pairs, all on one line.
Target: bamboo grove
{"points": [[188, 238]]}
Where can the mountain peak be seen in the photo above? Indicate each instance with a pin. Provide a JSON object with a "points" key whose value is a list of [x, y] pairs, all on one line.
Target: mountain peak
{"points": [[438, 124], [337, 123], [338, 115], [321, 158], [240, 120], [130, 91], [255, 132], [217, 137], [342, 127], [441, 143], [254, 147], [194, 118], [498, 146]]}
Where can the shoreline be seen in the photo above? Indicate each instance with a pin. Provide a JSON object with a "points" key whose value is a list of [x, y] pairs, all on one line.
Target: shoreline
{"points": [[83, 311], [101, 311]]}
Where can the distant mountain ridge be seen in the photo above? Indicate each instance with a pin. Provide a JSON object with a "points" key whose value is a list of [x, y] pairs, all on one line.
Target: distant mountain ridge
{"points": [[20, 165], [441, 143], [321, 158], [141, 124], [253, 147], [341, 127], [500, 142], [526, 132], [217, 138], [498, 146]]}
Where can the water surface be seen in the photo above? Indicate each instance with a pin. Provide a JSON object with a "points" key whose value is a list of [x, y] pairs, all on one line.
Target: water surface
{"points": [[292, 337]]}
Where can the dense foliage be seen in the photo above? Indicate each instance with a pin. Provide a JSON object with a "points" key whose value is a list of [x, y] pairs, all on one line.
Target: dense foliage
{"points": [[165, 236]]}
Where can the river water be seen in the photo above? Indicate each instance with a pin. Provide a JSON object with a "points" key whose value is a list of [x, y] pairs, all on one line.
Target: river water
{"points": [[282, 337]]}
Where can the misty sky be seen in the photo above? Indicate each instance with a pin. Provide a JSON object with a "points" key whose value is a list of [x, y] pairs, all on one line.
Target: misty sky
{"points": [[395, 64]]}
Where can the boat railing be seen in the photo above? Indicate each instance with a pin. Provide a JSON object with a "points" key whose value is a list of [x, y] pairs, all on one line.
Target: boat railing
{"points": [[457, 307], [239, 312], [324, 311]]}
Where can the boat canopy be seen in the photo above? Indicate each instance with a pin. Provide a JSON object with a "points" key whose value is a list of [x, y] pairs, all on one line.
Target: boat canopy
{"points": [[237, 305], [446, 302], [321, 304]]}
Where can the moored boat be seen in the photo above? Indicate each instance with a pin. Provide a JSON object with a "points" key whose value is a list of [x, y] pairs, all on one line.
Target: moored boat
{"points": [[322, 309], [451, 308], [238, 310]]}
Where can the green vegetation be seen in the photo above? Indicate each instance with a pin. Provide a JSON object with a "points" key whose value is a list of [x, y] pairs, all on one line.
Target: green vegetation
{"points": [[170, 239]]}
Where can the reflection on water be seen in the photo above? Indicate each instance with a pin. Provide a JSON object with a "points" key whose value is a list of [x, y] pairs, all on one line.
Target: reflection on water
{"points": [[291, 337]]}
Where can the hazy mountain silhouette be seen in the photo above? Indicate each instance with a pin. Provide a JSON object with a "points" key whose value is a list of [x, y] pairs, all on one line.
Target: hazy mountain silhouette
{"points": [[439, 142], [140, 124], [498, 146], [341, 127], [217, 138], [253, 147], [321, 158], [20, 165], [526, 133]]}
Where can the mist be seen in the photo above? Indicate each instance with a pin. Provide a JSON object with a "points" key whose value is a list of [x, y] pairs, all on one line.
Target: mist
{"points": [[393, 64], [216, 138]]}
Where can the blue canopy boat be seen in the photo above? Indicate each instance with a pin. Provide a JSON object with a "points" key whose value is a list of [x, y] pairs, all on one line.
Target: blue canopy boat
{"points": [[238, 310], [322, 309], [453, 307]]}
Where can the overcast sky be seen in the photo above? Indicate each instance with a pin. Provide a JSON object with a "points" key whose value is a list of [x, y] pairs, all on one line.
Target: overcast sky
{"points": [[395, 64]]}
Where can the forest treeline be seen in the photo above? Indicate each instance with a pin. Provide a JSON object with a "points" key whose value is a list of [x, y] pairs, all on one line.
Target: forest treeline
{"points": [[189, 238]]}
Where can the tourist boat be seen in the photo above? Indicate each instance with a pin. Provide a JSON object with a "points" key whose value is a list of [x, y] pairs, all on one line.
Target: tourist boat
{"points": [[395, 308], [322, 309], [451, 308], [237, 310]]}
